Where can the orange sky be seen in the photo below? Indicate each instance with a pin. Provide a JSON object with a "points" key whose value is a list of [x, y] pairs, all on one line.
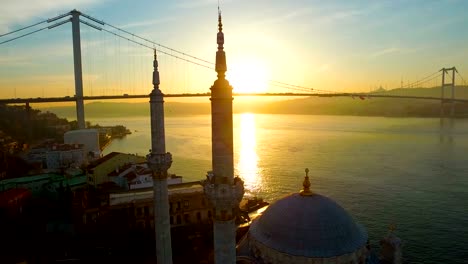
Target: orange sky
{"points": [[333, 45]]}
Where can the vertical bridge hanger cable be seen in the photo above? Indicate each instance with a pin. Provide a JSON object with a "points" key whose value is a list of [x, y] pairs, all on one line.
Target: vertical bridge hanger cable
{"points": [[194, 60], [147, 40]]}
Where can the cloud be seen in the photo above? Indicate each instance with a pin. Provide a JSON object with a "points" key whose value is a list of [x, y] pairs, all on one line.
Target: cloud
{"points": [[21, 11], [195, 3], [287, 16], [337, 16], [15, 61], [151, 22], [385, 52], [391, 50], [317, 16]]}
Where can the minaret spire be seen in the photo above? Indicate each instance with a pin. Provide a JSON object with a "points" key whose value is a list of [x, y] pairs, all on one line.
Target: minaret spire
{"points": [[220, 23], [223, 190], [221, 67], [159, 161], [155, 72]]}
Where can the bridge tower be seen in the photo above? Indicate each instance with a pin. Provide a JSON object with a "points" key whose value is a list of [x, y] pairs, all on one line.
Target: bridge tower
{"points": [[449, 85], [221, 188], [159, 161], [75, 20]]}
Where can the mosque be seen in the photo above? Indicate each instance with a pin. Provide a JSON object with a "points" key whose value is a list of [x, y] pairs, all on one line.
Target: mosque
{"points": [[309, 228], [304, 227]]}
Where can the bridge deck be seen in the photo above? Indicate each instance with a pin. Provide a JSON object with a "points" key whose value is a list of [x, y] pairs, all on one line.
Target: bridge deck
{"points": [[110, 97]]}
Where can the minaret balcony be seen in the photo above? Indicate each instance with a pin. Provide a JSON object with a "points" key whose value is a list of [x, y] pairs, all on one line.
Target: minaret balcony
{"points": [[159, 162], [224, 197]]}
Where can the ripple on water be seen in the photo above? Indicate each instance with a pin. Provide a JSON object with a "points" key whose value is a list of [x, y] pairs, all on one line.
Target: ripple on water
{"points": [[406, 171]]}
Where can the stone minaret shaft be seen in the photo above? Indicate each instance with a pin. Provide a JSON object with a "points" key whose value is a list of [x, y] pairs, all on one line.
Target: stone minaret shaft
{"points": [[223, 190], [159, 161], [221, 118]]}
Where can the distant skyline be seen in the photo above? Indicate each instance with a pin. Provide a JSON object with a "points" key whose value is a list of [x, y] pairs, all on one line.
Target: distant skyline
{"points": [[329, 45]]}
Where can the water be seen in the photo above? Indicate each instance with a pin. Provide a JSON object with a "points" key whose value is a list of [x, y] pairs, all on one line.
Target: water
{"points": [[407, 171]]}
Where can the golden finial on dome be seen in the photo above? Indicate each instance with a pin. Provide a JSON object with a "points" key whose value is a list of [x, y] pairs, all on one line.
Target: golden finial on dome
{"points": [[306, 183]]}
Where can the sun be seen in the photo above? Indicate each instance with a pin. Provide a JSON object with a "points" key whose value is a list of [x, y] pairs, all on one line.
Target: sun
{"points": [[248, 76]]}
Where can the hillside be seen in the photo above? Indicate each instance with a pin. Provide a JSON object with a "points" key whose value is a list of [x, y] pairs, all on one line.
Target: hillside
{"points": [[309, 105]]}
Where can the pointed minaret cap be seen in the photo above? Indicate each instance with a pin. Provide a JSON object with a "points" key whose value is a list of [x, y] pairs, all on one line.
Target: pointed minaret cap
{"points": [[220, 23], [221, 67], [306, 184], [155, 71], [220, 30]]}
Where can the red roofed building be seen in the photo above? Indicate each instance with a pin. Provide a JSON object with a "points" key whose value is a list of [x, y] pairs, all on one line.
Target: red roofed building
{"points": [[14, 200]]}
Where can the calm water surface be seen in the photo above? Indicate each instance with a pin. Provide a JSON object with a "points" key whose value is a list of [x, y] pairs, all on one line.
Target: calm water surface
{"points": [[409, 171]]}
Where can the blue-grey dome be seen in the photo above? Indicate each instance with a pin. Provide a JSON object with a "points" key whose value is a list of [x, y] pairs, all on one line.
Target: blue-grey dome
{"points": [[310, 226]]}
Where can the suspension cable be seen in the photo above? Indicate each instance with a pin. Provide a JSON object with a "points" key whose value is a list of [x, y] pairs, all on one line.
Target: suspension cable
{"points": [[461, 77], [147, 40], [285, 87], [428, 80], [24, 35], [146, 46], [292, 85], [159, 51], [420, 80], [38, 23], [289, 87], [308, 89], [14, 31], [193, 57], [35, 31]]}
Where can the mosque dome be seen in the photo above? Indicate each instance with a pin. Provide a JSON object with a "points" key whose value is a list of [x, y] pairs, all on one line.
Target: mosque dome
{"points": [[307, 228]]}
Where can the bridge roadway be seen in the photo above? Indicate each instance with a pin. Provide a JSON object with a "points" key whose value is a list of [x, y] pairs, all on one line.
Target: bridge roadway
{"points": [[125, 96]]}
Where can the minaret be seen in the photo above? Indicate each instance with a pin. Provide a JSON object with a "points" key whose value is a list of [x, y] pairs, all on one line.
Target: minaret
{"points": [[159, 161], [222, 189]]}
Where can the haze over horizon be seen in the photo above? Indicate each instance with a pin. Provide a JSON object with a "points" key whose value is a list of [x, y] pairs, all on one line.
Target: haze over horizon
{"points": [[334, 45]]}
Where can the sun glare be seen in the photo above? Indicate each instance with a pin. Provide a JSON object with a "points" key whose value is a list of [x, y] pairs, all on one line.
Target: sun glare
{"points": [[247, 166], [248, 76]]}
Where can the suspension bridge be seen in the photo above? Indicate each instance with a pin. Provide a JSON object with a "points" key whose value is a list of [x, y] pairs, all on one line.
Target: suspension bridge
{"points": [[124, 75]]}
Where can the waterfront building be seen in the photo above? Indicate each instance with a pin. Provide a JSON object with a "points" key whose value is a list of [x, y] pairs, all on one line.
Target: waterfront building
{"points": [[65, 156], [13, 201], [55, 157], [309, 228], [98, 171], [137, 176], [44, 184], [135, 209], [88, 137]]}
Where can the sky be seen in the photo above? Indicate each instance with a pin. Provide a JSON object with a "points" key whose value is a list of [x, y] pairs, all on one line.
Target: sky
{"points": [[335, 45]]}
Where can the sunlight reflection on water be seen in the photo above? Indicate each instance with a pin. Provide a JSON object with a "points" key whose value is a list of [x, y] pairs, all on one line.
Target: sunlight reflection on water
{"points": [[247, 165]]}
